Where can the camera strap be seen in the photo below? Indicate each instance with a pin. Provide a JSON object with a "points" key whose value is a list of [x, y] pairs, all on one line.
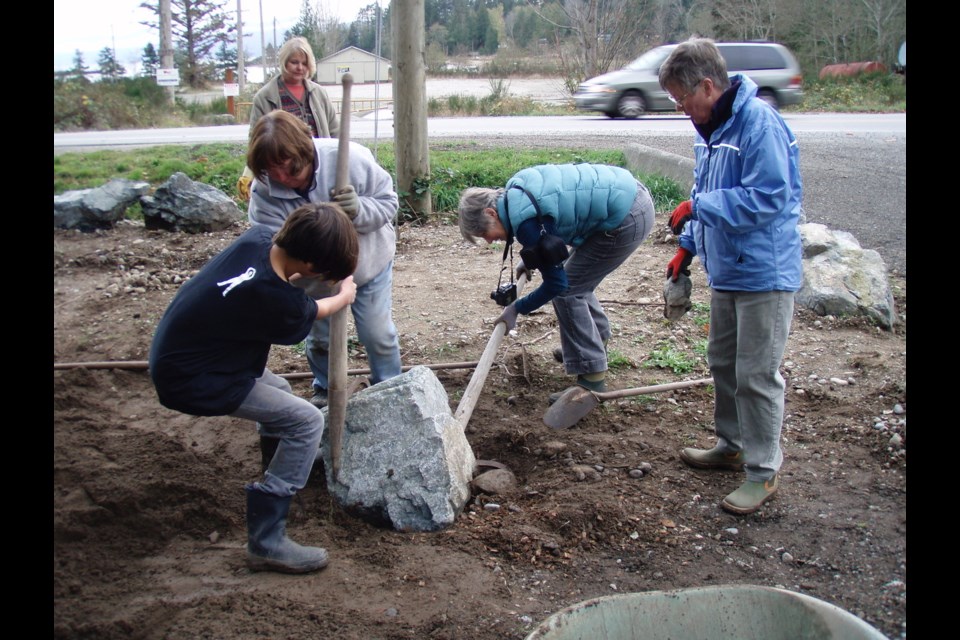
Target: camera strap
{"points": [[536, 207], [506, 249], [549, 250]]}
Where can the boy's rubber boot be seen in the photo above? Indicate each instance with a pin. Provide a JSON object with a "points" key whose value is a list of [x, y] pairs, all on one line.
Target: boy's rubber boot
{"points": [[268, 448], [268, 547]]}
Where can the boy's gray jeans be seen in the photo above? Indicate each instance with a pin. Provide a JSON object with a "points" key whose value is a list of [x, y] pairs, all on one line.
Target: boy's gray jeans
{"points": [[584, 327], [294, 421]]}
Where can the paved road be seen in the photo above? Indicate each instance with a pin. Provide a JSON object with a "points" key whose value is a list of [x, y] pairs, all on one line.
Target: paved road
{"points": [[853, 166]]}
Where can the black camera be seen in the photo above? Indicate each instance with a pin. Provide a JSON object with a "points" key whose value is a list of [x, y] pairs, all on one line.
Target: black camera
{"points": [[505, 294]]}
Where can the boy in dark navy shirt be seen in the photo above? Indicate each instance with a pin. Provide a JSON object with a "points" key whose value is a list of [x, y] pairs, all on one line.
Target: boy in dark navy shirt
{"points": [[209, 357]]}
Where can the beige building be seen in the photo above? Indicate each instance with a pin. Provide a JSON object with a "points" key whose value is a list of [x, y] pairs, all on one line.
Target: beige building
{"points": [[362, 65]]}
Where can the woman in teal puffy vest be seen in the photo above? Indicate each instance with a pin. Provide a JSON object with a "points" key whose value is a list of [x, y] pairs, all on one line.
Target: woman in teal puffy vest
{"points": [[602, 212]]}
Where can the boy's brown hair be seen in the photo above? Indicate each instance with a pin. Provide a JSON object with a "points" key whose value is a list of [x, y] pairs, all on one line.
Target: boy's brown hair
{"points": [[279, 136], [321, 234]]}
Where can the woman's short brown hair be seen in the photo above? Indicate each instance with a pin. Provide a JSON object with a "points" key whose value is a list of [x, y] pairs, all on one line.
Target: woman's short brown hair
{"points": [[277, 137], [321, 234]]}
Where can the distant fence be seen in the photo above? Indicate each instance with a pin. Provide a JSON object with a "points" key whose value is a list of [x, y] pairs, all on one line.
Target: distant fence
{"points": [[356, 107]]}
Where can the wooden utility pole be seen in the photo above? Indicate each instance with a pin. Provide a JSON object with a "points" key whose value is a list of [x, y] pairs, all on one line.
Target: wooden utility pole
{"points": [[166, 41], [410, 105], [263, 46], [241, 75]]}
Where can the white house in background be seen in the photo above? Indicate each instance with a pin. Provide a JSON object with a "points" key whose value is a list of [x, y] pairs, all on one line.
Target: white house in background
{"points": [[362, 65]]}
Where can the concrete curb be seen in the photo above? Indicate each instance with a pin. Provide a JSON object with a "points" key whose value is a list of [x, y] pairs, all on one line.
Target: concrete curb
{"points": [[644, 159]]}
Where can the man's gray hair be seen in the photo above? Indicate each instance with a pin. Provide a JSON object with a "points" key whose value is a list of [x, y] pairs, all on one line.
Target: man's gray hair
{"points": [[691, 62], [473, 221]]}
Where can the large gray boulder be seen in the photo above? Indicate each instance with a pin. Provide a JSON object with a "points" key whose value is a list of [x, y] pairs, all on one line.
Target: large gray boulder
{"points": [[98, 208], [406, 462], [842, 279], [180, 204]]}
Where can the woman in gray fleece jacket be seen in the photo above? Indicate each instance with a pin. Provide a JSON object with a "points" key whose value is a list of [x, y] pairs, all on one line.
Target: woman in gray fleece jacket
{"points": [[292, 169]]}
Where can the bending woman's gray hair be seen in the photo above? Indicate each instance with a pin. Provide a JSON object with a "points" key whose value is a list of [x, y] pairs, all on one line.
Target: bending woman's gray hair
{"points": [[473, 221]]}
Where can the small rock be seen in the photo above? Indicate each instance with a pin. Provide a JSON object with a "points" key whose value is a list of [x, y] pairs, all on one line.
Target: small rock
{"points": [[732, 531], [553, 447], [896, 440], [583, 472], [646, 467], [898, 408], [495, 482], [214, 537], [635, 473], [786, 557], [391, 612], [526, 619], [491, 506], [839, 382]]}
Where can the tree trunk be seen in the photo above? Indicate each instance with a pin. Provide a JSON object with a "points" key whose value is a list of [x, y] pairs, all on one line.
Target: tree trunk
{"points": [[410, 109]]}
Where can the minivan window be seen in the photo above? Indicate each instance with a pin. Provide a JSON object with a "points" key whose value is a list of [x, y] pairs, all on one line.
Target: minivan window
{"points": [[748, 58], [651, 59]]}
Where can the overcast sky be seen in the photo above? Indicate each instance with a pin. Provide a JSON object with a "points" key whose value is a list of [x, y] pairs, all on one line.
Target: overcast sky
{"points": [[92, 25]]}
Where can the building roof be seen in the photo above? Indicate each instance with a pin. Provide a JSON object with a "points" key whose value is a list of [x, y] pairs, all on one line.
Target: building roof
{"points": [[352, 49]]}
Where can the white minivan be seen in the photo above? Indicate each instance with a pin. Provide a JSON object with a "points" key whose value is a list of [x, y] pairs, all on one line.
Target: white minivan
{"points": [[635, 89]]}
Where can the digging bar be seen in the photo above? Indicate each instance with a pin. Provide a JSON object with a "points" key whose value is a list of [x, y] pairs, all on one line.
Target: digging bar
{"points": [[577, 402], [472, 394], [337, 368]]}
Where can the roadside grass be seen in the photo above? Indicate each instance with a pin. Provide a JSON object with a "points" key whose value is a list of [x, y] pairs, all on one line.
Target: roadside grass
{"points": [[454, 168], [866, 93], [218, 165]]}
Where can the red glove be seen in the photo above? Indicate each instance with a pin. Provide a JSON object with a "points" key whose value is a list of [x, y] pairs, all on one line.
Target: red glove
{"points": [[680, 215], [680, 262]]}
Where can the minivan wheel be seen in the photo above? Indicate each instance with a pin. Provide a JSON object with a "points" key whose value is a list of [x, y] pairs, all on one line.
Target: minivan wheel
{"points": [[770, 98], [631, 105]]}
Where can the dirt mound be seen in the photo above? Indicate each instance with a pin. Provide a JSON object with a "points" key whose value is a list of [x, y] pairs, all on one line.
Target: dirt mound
{"points": [[149, 528]]}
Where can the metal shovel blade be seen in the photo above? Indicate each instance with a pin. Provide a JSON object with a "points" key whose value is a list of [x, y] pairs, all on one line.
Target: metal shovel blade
{"points": [[573, 404]]}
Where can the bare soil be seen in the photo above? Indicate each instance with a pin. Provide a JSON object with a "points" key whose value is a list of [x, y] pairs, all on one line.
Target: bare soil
{"points": [[148, 505]]}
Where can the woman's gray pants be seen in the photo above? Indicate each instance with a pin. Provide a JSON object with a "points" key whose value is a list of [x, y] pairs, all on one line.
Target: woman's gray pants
{"points": [[584, 327]]}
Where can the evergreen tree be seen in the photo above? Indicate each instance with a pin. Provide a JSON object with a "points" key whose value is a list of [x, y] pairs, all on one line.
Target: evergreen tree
{"points": [[308, 26], [269, 59], [79, 70], [150, 60], [110, 69], [199, 26], [226, 58]]}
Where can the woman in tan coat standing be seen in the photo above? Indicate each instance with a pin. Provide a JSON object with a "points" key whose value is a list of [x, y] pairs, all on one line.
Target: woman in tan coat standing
{"points": [[293, 91]]}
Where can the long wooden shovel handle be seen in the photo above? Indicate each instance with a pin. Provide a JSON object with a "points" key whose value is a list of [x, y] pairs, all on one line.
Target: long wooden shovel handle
{"points": [[337, 368], [343, 155], [657, 388]]}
